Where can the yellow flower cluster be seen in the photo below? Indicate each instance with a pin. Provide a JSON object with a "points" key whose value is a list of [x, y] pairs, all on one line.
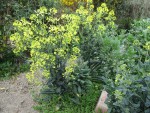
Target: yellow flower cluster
{"points": [[71, 2], [70, 65], [147, 46], [49, 36]]}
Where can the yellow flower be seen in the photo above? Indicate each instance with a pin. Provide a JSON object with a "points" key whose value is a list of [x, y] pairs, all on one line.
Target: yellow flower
{"points": [[71, 2], [102, 27], [53, 10], [35, 44], [111, 13], [76, 50], [30, 77], [123, 66], [147, 46], [104, 6], [136, 42], [91, 6], [118, 77], [42, 9], [89, 19]]}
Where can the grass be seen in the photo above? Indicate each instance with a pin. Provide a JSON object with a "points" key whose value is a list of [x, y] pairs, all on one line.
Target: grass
{"points": [[87, 103]]}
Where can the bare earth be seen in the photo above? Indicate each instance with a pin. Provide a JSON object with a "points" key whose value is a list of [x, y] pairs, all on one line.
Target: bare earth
{"points": [[15, 96]]}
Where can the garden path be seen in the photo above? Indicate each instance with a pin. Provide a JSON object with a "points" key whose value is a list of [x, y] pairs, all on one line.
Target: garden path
{"points": [[15, 96]]}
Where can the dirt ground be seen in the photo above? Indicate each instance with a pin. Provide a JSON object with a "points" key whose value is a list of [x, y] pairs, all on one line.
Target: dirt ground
{"points": [[15, 96]]}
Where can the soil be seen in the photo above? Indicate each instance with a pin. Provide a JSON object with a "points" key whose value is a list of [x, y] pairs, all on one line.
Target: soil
{"points": [[15, 96]]}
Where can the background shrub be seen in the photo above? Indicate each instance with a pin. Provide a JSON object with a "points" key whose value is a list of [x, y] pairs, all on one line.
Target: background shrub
{"points": [[53, 44], [129, 91], [56, 44]]}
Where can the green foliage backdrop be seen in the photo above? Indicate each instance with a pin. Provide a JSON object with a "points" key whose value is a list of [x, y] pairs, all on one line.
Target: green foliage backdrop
{"points": [[77, 47]]}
